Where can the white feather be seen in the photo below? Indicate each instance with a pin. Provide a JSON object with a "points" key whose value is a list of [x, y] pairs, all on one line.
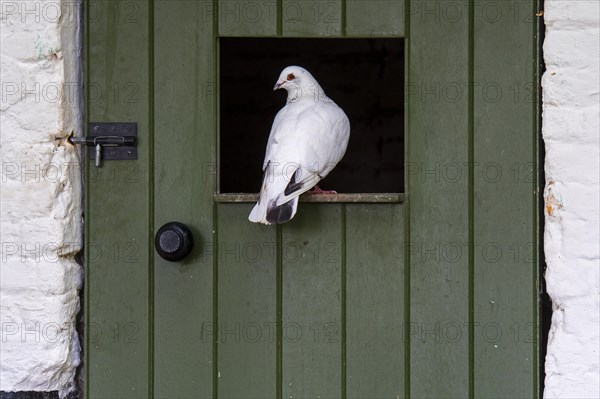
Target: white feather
{"points": [[309, 136]]}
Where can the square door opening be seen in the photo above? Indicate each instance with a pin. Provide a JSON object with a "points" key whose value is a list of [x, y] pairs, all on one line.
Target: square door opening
{"points": [[365, 77]]}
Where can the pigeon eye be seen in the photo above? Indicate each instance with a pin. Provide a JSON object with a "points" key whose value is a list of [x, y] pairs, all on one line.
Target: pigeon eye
{"points": [[291, 76]]}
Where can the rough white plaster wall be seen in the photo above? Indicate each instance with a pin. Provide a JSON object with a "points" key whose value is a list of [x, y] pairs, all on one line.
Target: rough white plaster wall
{"points": [[571, 130], [40, 208]]}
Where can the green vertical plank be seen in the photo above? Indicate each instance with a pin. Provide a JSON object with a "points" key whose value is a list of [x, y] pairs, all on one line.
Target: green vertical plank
{"points": [[375, 18], [311, 284], [184, 183], [117, 89], [247, 18], [247, 305], [375, 303], [308, 18], [438, 179], [504, 188]]}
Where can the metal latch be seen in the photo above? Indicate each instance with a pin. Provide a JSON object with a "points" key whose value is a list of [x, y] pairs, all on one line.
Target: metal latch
{"points": [[110, 141]]}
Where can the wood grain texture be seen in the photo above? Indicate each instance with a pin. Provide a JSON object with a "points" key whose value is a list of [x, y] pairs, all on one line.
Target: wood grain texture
{"points": [[332, 198], [504, 200], [311, 254], [184, 144], [247, 18], [307, 18], [375, 18], [118, 266], [247, 305], [374, 301], [439, 236], [334, 277]]}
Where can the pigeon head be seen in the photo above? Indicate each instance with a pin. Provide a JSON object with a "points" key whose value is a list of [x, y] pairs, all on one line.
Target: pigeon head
{"points": [[298, 82], [293, 76]]}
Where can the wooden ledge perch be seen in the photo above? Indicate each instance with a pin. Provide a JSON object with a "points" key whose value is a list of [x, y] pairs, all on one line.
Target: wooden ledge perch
{"points": [[310, 197]]}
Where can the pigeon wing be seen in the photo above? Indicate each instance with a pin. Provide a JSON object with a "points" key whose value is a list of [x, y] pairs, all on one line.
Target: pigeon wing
{"points": [[320, 136], [306, 141]]}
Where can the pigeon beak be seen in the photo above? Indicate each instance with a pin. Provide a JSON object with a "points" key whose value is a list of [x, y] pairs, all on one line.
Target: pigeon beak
{"points": [[278, 85]]}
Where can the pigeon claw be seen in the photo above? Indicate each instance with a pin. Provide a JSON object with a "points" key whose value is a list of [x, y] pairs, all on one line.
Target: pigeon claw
{"points": [[317, 190]]}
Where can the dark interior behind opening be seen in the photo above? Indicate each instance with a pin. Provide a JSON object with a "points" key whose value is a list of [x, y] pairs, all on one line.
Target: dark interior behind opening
{"points": [[365, 77]]}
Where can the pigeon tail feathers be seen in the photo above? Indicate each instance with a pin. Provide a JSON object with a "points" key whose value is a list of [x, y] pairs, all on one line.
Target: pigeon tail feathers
{"points": [[278, 214], [269, 209], [271, 213], [258, 214]]}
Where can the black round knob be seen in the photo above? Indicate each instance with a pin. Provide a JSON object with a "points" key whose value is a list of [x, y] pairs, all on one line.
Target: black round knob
{"points": [[174, 241]]}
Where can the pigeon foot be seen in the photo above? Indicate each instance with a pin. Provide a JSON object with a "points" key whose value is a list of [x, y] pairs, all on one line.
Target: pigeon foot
{"points": [[317, 190]]}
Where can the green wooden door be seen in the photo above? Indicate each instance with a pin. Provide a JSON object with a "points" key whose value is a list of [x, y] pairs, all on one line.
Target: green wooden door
{"points": [[430, 294]]}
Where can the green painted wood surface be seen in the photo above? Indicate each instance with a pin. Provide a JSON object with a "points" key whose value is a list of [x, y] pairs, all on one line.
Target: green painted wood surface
{"points": [[310, 197], [307, 18], [504, 211], [247, 306], [439, 233], [339, 311], [247, 18], [117, 196], [374, 301], [312, 303], [184, 120], [370, 18]]}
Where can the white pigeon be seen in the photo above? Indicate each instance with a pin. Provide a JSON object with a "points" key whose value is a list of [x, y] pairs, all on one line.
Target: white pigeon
{"points": [[308, 138]]}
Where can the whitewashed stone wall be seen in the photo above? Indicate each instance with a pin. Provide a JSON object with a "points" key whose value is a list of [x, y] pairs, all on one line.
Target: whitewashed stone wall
{"points": [[41, 224], [571, 130]]}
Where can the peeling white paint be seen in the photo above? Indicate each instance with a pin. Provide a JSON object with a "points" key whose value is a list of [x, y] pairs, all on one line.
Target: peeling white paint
{"points": [[40, 208], [571, 129]]}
